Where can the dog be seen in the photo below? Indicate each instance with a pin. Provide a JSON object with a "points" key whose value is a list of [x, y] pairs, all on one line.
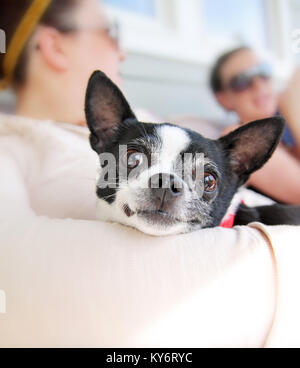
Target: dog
{"points": [[163, 180]]}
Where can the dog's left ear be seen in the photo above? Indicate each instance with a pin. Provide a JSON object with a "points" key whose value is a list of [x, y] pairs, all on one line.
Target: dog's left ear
{"points": [[252, 145], [105, 108]]}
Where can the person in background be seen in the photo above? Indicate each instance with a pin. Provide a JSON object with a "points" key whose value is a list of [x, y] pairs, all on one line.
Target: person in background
{"points": [[242, 83], [53, 46], [52, 51]]}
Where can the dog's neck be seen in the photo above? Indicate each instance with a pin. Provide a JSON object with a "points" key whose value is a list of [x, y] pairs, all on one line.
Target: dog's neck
{"points": [[229, 218]]}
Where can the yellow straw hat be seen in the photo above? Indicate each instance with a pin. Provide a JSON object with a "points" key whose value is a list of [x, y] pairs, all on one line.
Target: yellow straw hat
{"points": [[18, 20]]}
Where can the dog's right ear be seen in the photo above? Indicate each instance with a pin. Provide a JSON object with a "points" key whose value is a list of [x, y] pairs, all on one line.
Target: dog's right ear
{"points": [[252, 145], [105, 109]]}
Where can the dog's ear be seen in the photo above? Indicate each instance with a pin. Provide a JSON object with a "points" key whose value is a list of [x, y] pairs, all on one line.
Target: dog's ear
{"points": [[105, 108], [252, 145]]}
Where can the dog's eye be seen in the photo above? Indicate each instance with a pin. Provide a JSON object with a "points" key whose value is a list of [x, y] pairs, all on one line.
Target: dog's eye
{"points": [[134, 159], [210, 182]]}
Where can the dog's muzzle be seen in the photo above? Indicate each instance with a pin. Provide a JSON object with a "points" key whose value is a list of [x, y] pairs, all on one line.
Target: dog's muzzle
{"points": [[165, 188]]}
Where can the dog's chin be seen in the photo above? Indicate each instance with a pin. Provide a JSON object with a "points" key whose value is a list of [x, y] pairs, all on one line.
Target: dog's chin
{"points": [[159, 223], [156, 229], [155, 223]]}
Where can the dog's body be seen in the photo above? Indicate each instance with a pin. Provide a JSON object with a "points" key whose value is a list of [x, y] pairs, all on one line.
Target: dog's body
{"points": [[163, 179]]}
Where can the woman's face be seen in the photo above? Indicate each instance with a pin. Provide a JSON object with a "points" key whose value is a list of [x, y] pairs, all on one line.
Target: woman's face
{"points": [[256, 102], [92, 47]]}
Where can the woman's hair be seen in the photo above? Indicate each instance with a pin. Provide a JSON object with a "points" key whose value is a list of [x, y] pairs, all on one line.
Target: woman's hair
{"points": [[57, 15], [216, 82]]}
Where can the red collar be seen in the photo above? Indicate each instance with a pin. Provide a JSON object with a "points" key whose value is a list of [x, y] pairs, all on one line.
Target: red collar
{"points": [[229, 219], [228, 222]]}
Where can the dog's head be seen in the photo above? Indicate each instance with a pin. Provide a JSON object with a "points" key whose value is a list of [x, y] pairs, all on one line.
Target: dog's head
{"points": [[163, 179]]}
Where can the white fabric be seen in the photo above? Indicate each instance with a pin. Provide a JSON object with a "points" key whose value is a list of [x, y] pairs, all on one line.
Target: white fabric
{"points": [[50, 157], [286, 247], [72, 281]]}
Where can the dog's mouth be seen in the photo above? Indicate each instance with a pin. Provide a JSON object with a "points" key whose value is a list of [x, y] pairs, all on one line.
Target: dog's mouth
{"points": [[153, 216], [159, 217]]}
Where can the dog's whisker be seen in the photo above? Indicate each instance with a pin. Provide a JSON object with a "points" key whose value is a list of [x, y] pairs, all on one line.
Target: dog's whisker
{"points": [[108, 185], [109, 196]]}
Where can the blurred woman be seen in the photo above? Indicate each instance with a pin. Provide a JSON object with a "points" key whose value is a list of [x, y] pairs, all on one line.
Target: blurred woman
{"points": [[52, 50], [242, 83]]}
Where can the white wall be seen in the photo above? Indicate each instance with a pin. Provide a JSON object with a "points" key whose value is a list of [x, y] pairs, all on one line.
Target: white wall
{"points": [[170, 55], [169, 87]]}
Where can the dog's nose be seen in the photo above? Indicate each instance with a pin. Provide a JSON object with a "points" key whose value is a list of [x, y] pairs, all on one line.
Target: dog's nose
{"points": [[166, 187]]}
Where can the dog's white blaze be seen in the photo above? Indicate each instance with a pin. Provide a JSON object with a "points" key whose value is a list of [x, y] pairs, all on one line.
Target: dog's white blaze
{"points": [[174, 140]]}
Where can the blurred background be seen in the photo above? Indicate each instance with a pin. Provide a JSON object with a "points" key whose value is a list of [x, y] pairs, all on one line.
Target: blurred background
{"points": [[171, 45]]}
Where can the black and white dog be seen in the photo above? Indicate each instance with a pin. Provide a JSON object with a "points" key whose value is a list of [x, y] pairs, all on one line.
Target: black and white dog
{"points": [[162, 179]]}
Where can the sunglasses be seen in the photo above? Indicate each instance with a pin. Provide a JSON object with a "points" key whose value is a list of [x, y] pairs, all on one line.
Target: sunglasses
{"points": [[112, 31], [244, 81]]}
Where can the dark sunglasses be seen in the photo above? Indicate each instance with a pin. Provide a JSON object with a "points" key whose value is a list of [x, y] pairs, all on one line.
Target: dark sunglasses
{"points": [[244, 81]]}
